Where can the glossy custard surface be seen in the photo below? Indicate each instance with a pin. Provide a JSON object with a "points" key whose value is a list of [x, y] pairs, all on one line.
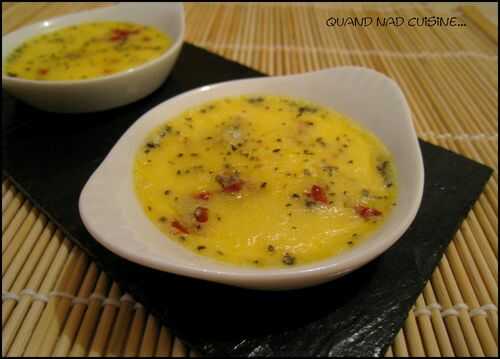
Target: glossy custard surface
{"points": [[87, 50], [264, 181]]}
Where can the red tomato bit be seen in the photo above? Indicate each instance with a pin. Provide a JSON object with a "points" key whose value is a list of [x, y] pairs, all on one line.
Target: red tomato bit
{"points": [[119, 35], [201, 214], [43, 71], [318, 194], [177, 225], [203, 195], [231, 183], [367, 212], [233, 187]]}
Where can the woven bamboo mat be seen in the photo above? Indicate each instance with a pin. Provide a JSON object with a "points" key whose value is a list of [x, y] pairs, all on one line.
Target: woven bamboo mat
{"points": [[449, 76]]}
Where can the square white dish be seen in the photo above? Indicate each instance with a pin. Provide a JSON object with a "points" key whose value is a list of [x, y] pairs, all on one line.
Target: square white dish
{"points": [[112, 214]]}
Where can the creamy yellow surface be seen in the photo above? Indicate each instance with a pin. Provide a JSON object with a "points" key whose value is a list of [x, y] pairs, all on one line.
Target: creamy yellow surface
{"points": [[86, 51], [282, 181]]}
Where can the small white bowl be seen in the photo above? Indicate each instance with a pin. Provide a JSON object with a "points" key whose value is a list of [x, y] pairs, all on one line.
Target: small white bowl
{"points": [[105, 92], [111, 211]]}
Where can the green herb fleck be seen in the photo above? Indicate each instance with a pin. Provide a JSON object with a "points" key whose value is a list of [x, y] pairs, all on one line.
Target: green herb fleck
{"points": [[288, 259], [255, 100]]}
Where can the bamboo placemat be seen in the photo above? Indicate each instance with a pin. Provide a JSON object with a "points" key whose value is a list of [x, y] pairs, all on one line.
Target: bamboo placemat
{"points": [[55, 301]]}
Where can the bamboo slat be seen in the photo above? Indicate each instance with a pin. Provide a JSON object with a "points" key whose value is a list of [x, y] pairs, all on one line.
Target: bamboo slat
{"points": [[477, 346], [457, 336], [135, 333], [7, 196], [439, 326], [178, 349], [16, 280], [37, 341], [164, 347], [70, 330], [91, 317], [57, 302], [467, 290], [415, 345], [488, 27], [20, 326], [63, 307], [20, 236], [148, 345], [5, 186], [10, 212], [428, 334], [399, 346], [118, 335], [98, 347]]}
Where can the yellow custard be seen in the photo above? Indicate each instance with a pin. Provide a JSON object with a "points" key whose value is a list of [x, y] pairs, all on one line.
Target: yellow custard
{"points": [[265, 181], [86, 51]]}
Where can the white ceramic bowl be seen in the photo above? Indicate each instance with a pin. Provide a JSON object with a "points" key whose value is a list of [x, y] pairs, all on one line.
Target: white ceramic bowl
{"points": [[104, 92], [112, 214]]}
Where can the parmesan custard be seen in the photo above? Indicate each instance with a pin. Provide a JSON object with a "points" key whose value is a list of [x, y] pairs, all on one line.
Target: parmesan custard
{"points": [[265, 181], [86, 51]]}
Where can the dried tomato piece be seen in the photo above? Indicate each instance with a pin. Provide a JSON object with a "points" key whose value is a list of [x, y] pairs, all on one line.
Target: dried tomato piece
{"points": [[201, 214], [177, 225], [230, 183], [119, 34], [203, 195], [318, 194], [124, 32], [367, 212], [233, 187]]}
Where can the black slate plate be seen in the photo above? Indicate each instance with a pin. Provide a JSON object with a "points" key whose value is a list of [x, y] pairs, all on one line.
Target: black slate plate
{"points": [[50, 157]]}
